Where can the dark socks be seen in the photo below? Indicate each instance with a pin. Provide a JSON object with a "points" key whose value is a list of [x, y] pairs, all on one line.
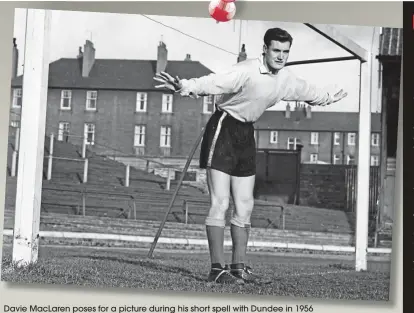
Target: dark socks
{"points": [[240, 237], [215, 237]]}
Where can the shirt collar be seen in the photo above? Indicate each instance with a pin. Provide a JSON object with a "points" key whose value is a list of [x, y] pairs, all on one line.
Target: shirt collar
{"points": [[262, 68]]}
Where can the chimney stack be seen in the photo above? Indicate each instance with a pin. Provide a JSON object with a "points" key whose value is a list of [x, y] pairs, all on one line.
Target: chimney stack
{"points": [[162, 57], [287, 112], [187, 57], [88, 58], [15, 59], [242, 55], [308, 111]]}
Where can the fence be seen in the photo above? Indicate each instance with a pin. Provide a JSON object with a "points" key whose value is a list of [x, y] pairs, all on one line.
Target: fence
{"points": [[186, 213], [84, 156]]}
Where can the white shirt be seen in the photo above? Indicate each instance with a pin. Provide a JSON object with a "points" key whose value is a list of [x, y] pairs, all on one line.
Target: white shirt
{"points": [[248, 88]]}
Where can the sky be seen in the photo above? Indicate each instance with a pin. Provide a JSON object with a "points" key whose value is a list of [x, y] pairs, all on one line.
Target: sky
{"points": [[216, 45]]}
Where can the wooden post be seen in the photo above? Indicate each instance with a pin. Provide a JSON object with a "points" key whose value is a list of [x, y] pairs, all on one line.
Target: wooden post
{"points": [[85, 171], [147, 167], [168, 185], [363, 169], [32, 138], [127, 176]]}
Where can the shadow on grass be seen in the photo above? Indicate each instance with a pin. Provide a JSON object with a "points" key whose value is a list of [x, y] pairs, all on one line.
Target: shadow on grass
{"points": [[147, 264]]}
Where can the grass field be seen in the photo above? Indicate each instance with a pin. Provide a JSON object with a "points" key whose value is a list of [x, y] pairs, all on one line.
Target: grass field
{"points": [[326, 278]]}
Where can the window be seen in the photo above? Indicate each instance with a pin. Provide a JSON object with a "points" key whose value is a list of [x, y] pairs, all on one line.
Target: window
{"points": [[139, 138], [91, 99], [314, 138], [165, 138], [336, 159], [65, 99], [350, 160], [375, 140], [208, 104], [167, 103], [141, 102], [374, 160], [351, 139], [291, 144], [337, 139], [90, 134], [314, 158], [17, 98], [273, 136], [64, 128]]}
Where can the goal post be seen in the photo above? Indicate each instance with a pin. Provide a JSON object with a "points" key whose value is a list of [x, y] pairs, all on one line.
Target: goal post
{"points": [[32, 137]]}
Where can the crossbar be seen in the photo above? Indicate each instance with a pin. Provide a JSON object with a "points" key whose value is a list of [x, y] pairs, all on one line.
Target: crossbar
{"points": [[340, 40]]}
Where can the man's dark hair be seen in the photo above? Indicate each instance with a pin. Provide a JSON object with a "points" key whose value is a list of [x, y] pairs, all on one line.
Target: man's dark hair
{"points": [[277, 34]]}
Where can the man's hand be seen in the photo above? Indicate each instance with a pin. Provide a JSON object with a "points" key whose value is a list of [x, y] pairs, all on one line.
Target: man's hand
{"points": [[167, 81], [339, 96]]}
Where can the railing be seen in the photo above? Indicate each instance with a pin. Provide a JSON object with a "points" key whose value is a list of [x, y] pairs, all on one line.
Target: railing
{"points": [[133, 202], [84, 153]]}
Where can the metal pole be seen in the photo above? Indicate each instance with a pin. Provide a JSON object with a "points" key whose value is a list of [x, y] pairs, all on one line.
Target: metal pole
{"points": [[187, 165]]}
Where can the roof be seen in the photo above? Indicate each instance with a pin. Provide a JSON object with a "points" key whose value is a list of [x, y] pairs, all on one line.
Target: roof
{"points": [[319, 121], [391, 42], [115, 74]]}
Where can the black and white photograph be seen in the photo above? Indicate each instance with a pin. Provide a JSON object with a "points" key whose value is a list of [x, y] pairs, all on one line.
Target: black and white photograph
{"points": [[182, 154]]}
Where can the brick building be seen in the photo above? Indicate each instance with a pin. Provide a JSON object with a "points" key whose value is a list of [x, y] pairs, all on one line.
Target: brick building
{"points": [[114, 105], [327, 137]]}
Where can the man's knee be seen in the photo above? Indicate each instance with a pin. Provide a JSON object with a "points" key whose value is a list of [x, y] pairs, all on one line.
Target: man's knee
{"points": [[217, 214], [242, 214]]}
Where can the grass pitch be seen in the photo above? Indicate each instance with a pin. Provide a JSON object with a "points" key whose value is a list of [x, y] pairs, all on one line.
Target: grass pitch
{"points": [[292, 276]]}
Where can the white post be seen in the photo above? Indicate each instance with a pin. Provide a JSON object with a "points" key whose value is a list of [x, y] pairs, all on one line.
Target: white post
{"points": [[85, 171], [17, 139], [52, 139], [363, 171], [127, 176], [50, 161], [49, 167], [33, 120], [168, 185], [84, 147], [14, 163]]}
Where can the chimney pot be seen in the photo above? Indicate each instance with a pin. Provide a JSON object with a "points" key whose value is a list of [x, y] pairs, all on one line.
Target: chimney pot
{"points": [[287, 112], [88, 58], [242, 55], [162, 57], [308, 111]]}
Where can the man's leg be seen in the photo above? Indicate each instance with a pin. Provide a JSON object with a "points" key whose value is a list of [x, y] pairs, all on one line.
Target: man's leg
{"points": [[219, 188], [242, 190]]}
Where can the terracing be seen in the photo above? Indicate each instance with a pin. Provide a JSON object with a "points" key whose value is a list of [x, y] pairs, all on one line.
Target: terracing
{"points": [[105, 205]]}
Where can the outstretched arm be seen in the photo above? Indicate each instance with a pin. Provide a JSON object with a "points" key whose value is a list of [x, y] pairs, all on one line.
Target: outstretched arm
{"points": [[226, 82], [300, 90]]}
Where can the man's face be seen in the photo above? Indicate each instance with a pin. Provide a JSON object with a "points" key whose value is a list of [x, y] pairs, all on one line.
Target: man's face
{"points": [[276, 55]]}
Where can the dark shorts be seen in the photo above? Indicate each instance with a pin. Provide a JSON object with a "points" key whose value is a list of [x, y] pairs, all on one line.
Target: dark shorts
{"points": [[228, 146]]}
